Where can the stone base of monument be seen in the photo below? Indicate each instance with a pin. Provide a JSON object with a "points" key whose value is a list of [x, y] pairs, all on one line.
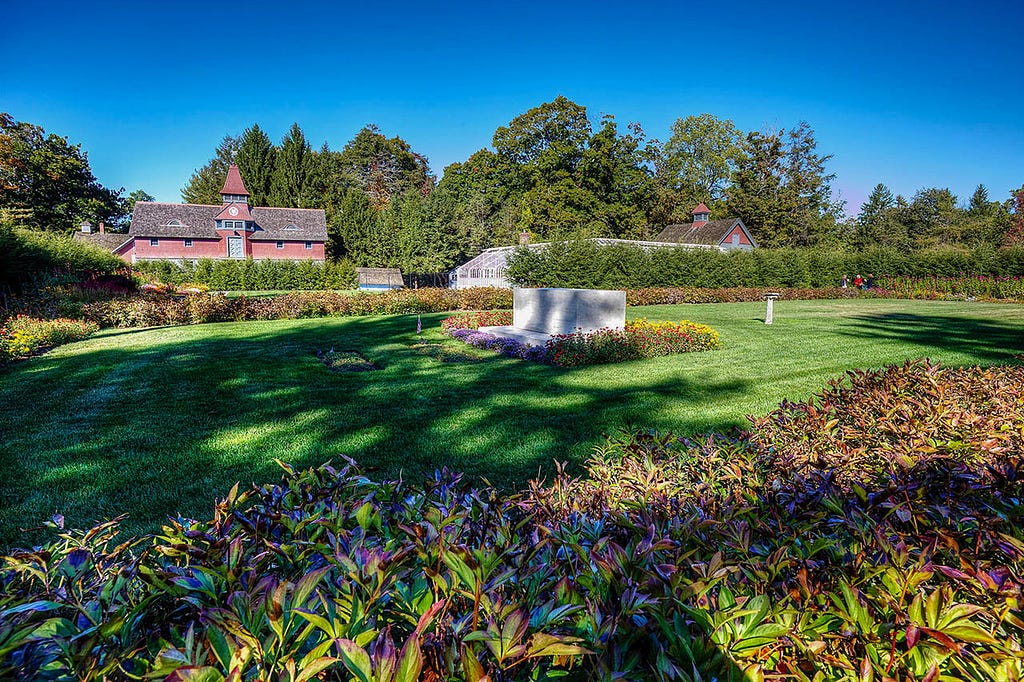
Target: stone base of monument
{"points": [[539, 314]]}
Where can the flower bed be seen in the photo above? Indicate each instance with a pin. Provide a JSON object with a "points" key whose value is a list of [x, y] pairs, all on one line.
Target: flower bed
{"points": [[21, 336], [638, 339]]}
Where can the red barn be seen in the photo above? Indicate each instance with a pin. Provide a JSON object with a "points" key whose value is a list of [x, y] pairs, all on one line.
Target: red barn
{"points": [[232, 230], [727, 234]]}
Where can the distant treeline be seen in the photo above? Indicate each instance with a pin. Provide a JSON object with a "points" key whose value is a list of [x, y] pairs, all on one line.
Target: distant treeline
{"points": [[584, 264]]}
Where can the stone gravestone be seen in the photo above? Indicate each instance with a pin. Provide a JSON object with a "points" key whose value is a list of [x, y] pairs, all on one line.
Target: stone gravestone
{"points": [[538, 314]]}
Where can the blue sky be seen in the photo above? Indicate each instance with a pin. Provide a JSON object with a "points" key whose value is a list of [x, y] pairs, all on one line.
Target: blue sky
{"points": [[912, 94]]}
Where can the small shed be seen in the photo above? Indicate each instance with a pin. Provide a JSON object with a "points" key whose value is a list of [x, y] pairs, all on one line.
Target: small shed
{"points": [[379, 279]]}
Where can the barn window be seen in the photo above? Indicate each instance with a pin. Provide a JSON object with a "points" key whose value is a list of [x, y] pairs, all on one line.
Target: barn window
{"points": [[188, 243], [291, 227], [309, 245], [280, 244], [174, 223], [154, 242]]}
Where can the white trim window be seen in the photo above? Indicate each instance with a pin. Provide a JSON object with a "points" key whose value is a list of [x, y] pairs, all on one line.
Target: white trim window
{"points": [[154, 242], [280, 244], [309, 246], [188, 243]]}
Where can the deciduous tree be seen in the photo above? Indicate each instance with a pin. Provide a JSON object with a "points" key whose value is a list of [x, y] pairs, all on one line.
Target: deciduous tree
{"points": [[47, 183]]}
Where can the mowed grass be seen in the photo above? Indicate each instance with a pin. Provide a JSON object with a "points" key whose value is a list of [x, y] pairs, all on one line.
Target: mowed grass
{"points": [[162, 421]]}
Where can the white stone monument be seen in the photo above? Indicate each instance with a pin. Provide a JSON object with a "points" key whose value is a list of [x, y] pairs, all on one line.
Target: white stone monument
{"points": [[539, 314]]}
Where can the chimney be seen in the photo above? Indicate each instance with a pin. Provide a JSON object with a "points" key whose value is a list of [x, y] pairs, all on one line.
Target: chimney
{"points": [[86, 227], [102, 228], [524, 238]]}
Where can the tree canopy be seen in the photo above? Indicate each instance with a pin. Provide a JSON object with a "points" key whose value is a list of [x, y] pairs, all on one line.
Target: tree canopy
{"points": [[46, 182]]}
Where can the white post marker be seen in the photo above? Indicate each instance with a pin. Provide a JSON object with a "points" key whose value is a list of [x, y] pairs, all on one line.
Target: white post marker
{"points": [[769, 314]]}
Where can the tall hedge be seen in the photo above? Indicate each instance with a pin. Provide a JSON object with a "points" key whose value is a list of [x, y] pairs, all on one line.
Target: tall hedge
{"points": [[586, 264], [250, 275], [25, 254]]}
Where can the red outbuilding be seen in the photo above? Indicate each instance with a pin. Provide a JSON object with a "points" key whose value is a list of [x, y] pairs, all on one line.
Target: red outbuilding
{"points": [[232, 230]]}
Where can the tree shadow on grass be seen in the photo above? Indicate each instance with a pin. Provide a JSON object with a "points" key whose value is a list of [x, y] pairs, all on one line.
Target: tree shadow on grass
{"points": [[984, 339], [160, 426]]}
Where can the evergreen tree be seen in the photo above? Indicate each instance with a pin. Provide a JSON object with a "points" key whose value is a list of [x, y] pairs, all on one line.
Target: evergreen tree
{"points": [[878, 223], [291, 166], [782, 191], [755, 194], [255, 158], [206, 183], [384, 168]]}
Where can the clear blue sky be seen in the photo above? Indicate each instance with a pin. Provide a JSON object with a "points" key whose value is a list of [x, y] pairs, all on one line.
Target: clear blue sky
{"points": [[912, 94]]}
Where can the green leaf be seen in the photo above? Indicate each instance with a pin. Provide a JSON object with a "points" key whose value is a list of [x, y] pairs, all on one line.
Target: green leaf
{"points": [[410, 662], [356, 660], [315, 668], [195, 674]]}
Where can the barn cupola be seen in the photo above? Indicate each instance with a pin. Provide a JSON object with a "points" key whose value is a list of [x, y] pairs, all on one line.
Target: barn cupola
{"points": [[701, 215], [234, 191], [236, 214]]}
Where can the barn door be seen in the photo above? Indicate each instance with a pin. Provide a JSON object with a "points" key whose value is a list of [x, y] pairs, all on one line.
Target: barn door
{"points": [[235, 247]]}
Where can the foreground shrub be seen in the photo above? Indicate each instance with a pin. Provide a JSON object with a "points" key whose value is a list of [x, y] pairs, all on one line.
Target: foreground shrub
{"points": [[670, 559], [875, 425], [21, 336]]}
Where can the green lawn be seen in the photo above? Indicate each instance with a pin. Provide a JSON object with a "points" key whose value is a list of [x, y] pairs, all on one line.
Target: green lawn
{"points": [[157, 421]]}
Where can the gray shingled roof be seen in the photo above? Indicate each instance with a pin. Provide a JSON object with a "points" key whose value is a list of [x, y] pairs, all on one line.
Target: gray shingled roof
{"points": [[152, 219], [108, 241], [711, 233]]}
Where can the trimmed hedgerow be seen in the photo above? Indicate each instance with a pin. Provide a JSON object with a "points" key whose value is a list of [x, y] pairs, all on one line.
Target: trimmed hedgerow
{"points": [[585, 264], [247, 274], [670, 559], [26, 255]]}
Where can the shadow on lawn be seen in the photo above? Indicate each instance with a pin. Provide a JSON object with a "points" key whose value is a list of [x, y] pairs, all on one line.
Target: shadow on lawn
{"points": [[159, 427], [984, 339]]}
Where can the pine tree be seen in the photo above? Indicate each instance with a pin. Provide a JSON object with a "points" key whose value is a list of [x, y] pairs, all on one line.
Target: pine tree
{"points": [[290, 169], [206, 183], [255, 160]]}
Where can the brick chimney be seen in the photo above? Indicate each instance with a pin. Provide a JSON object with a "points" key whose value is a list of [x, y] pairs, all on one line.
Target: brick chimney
{"points": [[524, 238], [103, 228]]}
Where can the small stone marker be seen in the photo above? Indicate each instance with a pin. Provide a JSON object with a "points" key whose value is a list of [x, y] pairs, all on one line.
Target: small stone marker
{"points": [[769, 314]]}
